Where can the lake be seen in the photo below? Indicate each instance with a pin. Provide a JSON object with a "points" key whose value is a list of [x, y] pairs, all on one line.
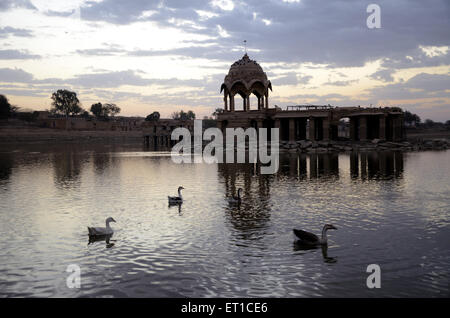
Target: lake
{"points": [[391, 209]]}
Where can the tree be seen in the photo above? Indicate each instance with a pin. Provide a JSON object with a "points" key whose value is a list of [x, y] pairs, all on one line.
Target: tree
{"points": [[153, 117], [65, 102], [190, 115], [111, 109], [429, 123], [217, 112], [97, 109], [411, 119], [5, 107], [182, 115], [103, 111]]}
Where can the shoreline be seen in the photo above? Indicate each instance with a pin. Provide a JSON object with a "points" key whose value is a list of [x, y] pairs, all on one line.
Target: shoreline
{"points": [[418, 140], [12, 135]]}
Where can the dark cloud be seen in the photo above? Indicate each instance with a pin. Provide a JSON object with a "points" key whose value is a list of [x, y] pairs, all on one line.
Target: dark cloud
{"points": [[17, 55], [291, 78], [420, 86], [15, 75], [316, 31], [383, 75]]}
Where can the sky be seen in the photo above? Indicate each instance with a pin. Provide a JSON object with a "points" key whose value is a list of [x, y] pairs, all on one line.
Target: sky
{"points": [[168, 55]]}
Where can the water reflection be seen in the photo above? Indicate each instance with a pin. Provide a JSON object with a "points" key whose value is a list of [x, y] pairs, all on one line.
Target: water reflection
{"points": [[305, 247], [67, 166], [102, 238], [318, 165], [6, 165], [218, 250], [376, 165], [250, 218], [373, 165], [177, 205]]}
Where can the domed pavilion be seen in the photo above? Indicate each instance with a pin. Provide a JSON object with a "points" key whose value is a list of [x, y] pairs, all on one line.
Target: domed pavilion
{"points": [[244, 78]]}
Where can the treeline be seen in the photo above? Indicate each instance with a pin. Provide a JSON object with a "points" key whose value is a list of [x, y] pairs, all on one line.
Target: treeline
{"points": [[64, 103], [413, 120]]}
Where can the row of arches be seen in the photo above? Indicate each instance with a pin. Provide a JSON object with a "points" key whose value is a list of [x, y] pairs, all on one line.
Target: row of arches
{"points": [[256, 97]]}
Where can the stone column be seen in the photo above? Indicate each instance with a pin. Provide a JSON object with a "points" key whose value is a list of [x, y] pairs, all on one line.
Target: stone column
{"points": [[363, 128], [326, 129], [266, 99], [248, 103], [291, 129], [225, 99], [382, 129], [231, 103], [277, 123], [352, 129], [396, 129], [312, 129]]}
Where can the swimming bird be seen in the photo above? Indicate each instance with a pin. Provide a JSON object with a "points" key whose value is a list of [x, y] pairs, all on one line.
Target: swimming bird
{"points": [[236, 199], [178, 199], [101, 231], [307, 238]]}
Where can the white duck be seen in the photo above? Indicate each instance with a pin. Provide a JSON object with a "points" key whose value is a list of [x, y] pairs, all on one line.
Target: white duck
{"points": [[178, 199], [100, 231], [236, 199], [304, 237]]}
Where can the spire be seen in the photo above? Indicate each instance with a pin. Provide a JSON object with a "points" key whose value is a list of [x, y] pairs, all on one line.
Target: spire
{"points": [[245, 47]]}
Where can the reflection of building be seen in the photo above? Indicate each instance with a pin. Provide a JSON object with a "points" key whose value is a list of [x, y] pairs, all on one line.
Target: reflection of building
{"points": [[375, 165], [317, 165], [246, 78]]}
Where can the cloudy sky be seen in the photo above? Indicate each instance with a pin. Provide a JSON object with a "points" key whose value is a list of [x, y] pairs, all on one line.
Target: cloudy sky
{"points": [[167, 55]]}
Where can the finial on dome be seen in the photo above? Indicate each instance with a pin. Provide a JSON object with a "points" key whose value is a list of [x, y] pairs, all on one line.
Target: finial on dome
{"points": [[245, 47]]}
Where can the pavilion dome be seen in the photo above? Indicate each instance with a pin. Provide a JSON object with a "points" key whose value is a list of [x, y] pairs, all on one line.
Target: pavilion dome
{"points": [[247, 73]]}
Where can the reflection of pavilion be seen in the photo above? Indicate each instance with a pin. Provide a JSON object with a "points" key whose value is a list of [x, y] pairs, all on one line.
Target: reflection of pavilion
{"points": [[371, 165], [252, 216], [247, 79], [318, 165], [376, 165]]}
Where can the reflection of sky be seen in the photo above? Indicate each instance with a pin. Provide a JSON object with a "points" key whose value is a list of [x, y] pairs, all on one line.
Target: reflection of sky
{"points": [[212, 248]]}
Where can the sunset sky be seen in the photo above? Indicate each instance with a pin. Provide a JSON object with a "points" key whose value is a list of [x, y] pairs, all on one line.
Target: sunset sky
{"points": [[169, 55]]}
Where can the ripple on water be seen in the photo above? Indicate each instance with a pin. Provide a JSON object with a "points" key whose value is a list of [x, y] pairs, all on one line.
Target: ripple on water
{"points": [[207, 248]]}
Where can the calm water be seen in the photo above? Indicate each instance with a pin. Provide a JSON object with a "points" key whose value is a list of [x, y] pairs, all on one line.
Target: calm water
{"points": [[391, 209]]}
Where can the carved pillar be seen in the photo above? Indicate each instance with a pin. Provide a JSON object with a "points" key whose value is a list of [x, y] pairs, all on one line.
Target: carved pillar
{"points": [[363, 128], [312, 128], [326, 129], [232, 103], [396, 129], [353, 129], [225, 99], [277, 125], [248, 103], [382, 129], [266, 99], [291, 129]]}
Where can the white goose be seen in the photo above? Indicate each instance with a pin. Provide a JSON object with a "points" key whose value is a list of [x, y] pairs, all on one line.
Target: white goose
{"points": [[101, 231], [236, 199], [307, 238], [178, 199]]}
